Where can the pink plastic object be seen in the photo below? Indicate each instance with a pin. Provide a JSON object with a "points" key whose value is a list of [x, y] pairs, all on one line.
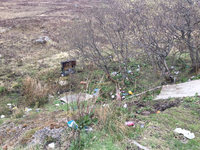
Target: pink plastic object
{"points": [[129, 123]]}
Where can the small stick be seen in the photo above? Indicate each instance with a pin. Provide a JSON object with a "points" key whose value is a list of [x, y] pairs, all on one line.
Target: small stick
{"points": [[140, 146]]}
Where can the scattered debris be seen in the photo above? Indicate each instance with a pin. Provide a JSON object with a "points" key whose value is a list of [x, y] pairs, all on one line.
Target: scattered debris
{"points": [[37, 110], [118, 97], [113, 96], [192, 77], [68, 67], [42, 40], [129, 92], [129, 71], [96, 92], [124, 94], [142, 126], [57, 105], [125, 106], [14, 108], [172, 67], [72, 124], [176, 72], [105, 105], [129, 123], [51, 145], [113, 74], [186, 133], [27, 109], [158, 112], [3, 116], [88, 129], [83, 82], [9, 105]]}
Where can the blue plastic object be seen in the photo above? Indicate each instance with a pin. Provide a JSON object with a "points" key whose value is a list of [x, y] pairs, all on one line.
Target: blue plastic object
{"points": [[72, 124]]}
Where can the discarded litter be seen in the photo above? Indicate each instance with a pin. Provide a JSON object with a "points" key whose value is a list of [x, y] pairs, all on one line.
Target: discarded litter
{"points": [[83, 82], [68, 67], [158, 112], [51, 145], [105, 105], [37, 110], [192, 77], [57, 105], [123, 97], [9, 105], [124, 94], [176, 72], [172, 67], [14, 108], [28, 109], [113, 96], [2, 116], [129, 71], [88, 129], [129, 92], [125, 105], [72, 124], [142, 126], [113, 73], [186, 133], [129, 123], [96, 92], [118, 97]]}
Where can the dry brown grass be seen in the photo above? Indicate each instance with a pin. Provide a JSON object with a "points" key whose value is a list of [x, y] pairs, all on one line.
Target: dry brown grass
{"points": [[35, 92]]}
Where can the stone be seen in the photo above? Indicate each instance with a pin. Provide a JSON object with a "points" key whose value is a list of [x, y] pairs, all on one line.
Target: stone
{"points": [[51, 145], [43, 40]]}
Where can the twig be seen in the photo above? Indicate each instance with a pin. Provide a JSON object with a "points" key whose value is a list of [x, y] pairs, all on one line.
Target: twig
{"points": [[144, 92], [140, 146]]}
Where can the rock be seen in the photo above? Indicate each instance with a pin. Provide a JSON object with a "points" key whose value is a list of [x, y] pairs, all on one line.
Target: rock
{"points": [[40, 135], [4, 30], [43, 40], [51, 145], [145, 113]]}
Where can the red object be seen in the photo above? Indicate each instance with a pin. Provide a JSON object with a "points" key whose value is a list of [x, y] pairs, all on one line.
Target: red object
{"points": [[129, 123]]}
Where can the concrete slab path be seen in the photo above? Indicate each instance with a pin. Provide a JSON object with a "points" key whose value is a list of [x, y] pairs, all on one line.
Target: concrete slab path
{"points": [[180, 90]]}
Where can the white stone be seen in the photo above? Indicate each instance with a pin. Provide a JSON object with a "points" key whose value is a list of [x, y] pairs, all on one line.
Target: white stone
{"points": [[51, 145]]}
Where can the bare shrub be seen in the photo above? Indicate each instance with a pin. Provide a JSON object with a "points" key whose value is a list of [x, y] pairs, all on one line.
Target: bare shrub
{"points": [[34, 92]]}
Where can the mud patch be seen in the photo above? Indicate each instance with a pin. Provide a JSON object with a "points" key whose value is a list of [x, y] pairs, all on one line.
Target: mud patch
{"points": [[147, 108], [161, 106]]}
